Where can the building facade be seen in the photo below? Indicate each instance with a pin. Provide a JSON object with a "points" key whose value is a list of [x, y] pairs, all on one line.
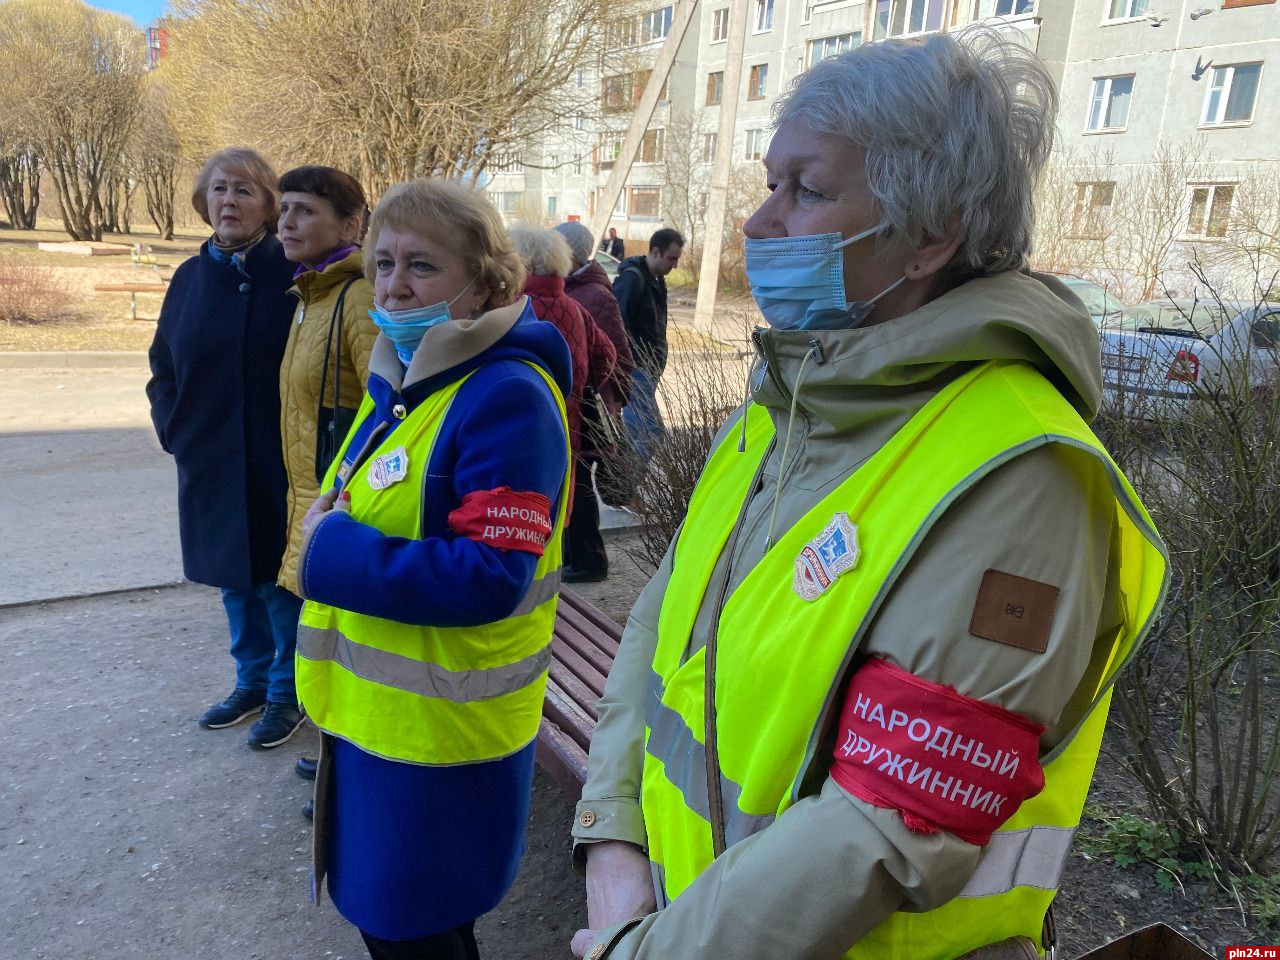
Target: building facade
{"points": [[1139, 81]]}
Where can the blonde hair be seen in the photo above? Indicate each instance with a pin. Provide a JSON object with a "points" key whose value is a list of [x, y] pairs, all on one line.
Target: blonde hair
{"points": [[248, 163], [460, 217], [545, 252]]}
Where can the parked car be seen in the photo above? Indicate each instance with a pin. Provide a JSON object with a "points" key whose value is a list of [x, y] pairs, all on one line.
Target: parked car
{"points": [[1105, 307], [1182, 349], [610, 263]]}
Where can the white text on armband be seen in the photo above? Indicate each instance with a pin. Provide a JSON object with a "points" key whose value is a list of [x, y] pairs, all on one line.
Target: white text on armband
{"points": [[937, 738]]}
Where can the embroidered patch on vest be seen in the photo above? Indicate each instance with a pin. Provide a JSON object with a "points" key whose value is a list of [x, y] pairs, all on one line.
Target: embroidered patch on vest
{"points": [[388, 469], [1014, 610], [830, 554]]}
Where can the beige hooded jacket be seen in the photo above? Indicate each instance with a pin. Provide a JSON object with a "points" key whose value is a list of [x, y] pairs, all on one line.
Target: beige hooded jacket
{"points": [[833, 867]]}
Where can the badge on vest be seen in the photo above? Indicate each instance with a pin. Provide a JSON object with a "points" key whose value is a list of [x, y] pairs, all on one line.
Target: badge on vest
{"points": [[827, 556], [388, 469]]}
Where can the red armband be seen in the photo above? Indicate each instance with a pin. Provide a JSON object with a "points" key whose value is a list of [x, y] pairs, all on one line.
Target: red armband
{"points": [[504, 518], [944, 761]]}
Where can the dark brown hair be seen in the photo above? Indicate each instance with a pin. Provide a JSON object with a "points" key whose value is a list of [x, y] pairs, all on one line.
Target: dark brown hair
{"points": [[342, 190]]}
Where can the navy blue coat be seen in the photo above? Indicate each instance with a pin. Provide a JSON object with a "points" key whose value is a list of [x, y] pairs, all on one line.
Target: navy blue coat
{"points": [[215, 403]]}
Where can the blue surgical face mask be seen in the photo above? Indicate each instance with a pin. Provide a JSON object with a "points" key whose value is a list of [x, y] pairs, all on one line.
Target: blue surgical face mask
{"points": [[798, 282], [406, 328]]}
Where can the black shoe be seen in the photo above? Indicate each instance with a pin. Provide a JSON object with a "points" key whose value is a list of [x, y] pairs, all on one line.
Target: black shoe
{"points": [[309, 810], [241, 704], [575, 575], [306, 768], [277, 725]]}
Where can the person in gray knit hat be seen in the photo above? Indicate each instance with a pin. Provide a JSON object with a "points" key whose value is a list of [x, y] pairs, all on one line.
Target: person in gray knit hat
{"points": [[588, 284]]}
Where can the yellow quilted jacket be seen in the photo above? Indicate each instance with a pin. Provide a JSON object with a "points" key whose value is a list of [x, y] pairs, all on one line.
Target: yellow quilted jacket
{"points": [[300, 371]]}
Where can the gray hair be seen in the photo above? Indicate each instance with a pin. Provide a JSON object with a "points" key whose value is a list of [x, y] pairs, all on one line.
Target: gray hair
{"points": [[955, 128], [579, 238], [544, 252]]}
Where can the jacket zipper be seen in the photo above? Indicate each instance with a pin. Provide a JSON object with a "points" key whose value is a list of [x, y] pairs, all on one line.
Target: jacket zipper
{"points": [[715, 796]]}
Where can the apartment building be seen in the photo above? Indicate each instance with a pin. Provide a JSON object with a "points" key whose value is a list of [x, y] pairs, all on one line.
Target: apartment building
{"points": [[1193, 79], [1132, 74]]}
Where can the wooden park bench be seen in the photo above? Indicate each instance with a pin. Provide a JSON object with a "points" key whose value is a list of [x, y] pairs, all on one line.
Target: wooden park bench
{"points": [[133, 289], [583, 646]]}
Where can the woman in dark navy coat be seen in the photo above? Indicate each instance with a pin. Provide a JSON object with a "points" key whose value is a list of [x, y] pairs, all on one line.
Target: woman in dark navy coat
{"points": [[215, 402]]}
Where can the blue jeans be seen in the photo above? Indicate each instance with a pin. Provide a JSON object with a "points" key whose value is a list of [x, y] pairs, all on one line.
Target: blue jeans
{"points": [[641, 416], [264, 632]]}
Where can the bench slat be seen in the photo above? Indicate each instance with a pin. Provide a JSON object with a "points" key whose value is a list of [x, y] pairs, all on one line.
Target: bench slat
{"points": [[583, 646], [568, 657]]}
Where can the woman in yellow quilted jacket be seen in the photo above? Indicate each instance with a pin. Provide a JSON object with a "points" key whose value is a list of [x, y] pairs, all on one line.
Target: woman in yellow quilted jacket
{"points": [[326, 359]]}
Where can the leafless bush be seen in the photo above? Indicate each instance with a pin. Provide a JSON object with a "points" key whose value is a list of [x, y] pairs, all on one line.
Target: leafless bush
{"points": [[700, 389], [1201, 705], [29, 296]]}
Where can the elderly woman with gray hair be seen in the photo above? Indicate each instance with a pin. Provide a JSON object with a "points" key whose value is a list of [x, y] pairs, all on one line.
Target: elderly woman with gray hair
{"points": [[856, 712]]}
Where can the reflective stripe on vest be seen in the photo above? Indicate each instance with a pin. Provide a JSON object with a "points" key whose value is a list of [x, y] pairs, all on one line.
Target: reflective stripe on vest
{"points": [[771, 717], [428, 695]]}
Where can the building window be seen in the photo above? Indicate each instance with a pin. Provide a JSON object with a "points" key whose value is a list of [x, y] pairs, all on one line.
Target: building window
{"points": [[715, 87], [621, 92], [1109, 104], [764, 15], [1127, 9], [609, 151], [1231, 95], [708, 147], [755, 145], [551, 206], [577, 166], [582, 77], [986, 9], [1210, 209], [720, 25], [508, 162], [1092, 209], [655, 25], [825, 47], [578, 121], [758, 83], [651, 146], [645, 201], [506, 202], [897, 18]]}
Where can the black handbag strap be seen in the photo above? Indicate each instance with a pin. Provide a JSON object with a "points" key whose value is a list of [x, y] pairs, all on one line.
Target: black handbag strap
{"points": [[335, 323]]}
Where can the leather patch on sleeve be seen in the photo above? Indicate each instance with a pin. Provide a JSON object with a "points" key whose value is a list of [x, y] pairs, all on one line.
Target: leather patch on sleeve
{"points": [[1014, 610]]}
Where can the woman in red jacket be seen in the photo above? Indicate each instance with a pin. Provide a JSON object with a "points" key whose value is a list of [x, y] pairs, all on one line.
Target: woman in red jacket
{"points": [[548, 259]]}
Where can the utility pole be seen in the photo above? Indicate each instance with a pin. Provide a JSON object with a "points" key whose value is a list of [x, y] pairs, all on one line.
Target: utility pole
{"points": [[683, 16], [718, 192]]}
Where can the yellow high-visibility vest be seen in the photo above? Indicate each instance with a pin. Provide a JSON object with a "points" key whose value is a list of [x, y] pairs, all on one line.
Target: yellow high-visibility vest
{"points": [[781, 659], [428, 695]]}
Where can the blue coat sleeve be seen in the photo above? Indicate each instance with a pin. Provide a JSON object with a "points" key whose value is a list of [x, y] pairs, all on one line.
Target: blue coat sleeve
{"points": [[509, 433]]}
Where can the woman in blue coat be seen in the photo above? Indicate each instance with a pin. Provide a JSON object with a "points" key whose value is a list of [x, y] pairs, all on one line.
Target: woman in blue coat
{"points": [[215, 402]]}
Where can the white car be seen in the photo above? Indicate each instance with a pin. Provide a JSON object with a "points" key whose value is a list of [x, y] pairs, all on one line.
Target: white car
{"points": [[1170, 351]]}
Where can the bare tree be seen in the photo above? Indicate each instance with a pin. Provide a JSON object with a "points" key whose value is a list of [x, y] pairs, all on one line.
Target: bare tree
{"points": [[385, 89], [685, 178], [156, 154], [20, 184], [1074, 212], [76, 72]]}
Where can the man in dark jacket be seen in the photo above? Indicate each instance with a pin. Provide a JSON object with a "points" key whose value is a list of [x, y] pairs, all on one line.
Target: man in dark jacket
{"points": [[642, 298], [614, 245]]}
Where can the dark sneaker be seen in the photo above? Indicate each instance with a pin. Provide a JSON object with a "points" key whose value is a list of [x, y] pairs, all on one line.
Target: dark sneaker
{"points": [[306, 768], [309, 810], [575, 575], [241, 704], [277, 725]]}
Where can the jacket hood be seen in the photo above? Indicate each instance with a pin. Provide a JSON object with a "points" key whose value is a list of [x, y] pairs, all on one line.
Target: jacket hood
{"points": [[637, 261], [592, 273], [454, 349], [868, 374], [315, 284]]}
